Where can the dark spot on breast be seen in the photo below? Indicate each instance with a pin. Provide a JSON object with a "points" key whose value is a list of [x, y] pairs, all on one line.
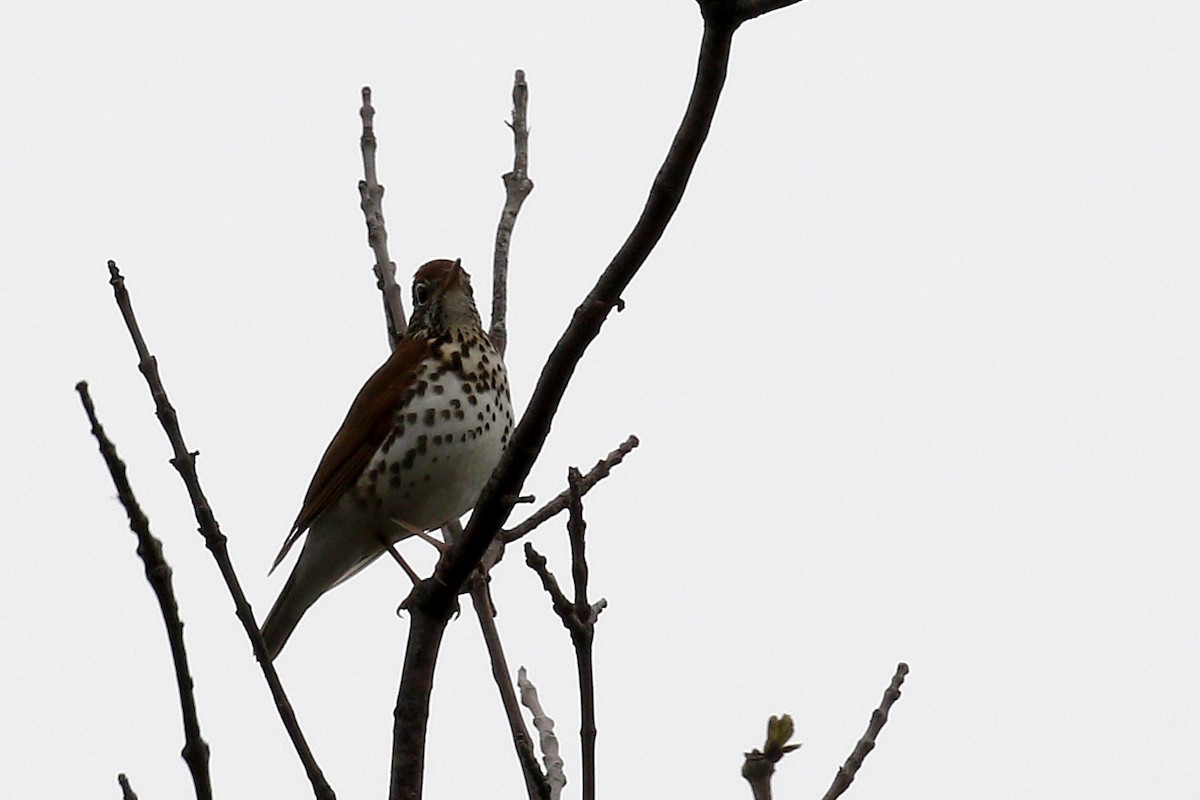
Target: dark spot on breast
{"points": [[430, 416], [438, 388], [422, 443]]}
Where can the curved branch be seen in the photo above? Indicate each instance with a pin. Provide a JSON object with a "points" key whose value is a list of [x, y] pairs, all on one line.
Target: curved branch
{"points": [[432, 600]]}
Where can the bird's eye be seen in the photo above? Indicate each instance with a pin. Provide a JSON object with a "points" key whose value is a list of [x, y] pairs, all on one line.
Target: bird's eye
{"points": [[420, 294]]}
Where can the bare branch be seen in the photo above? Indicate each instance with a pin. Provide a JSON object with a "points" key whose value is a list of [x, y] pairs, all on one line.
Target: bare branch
{"points": [[537, 562], [495, 502], [184, 462], [559, 504], [517, 187], [555, 776], [535, 780], [158, 573], [582, 634], [866, 744], [371, 201]]}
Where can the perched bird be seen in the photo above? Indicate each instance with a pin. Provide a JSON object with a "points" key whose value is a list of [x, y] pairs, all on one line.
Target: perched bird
{"points": [[418, 444]]}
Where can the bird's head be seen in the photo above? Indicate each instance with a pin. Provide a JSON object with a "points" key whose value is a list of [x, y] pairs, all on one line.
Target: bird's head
{"points": [[442, 299]]}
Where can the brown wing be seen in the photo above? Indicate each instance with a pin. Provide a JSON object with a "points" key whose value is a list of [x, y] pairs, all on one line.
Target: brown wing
{"points": [[362, 432]]}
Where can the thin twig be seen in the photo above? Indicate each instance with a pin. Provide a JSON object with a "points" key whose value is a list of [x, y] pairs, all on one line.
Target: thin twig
{"points": [[127, 792], [555, 776], [559, 504], [537, 562], [158, 573], [370, 195], [431, 601], [535, 780], [866, 744], [184, 462], [517, 187]]}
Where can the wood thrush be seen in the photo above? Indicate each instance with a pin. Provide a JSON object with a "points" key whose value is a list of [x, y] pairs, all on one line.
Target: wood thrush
{"points": [[418, 444]]}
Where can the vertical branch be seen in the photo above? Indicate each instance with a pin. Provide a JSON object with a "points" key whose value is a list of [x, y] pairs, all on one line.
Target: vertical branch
{"points": [[517, 187], [579, 618], [184, 462], [582, 634], [158, 573], [371, 201], [425, 633], [127, 792]]}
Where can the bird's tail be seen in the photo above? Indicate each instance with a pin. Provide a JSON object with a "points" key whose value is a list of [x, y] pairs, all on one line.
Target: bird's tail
{"points": [[296, 598], [325, 561]]}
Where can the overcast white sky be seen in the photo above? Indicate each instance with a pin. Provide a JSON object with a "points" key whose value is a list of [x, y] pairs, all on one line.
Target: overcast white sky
{"points": [[914, 370]]}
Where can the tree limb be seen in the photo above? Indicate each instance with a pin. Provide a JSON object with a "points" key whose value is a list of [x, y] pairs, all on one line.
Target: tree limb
{"points": [[431, 600]]}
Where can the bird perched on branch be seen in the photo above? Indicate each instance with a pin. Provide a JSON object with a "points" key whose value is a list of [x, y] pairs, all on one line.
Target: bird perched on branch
{"points": [[418, 444]]}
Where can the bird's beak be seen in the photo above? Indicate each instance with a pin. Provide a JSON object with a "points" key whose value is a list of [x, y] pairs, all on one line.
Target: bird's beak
{"points": [[458, 276]]}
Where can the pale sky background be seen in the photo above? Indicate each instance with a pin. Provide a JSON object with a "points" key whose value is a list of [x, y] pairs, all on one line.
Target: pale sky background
{"points": [[915, 371]]}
